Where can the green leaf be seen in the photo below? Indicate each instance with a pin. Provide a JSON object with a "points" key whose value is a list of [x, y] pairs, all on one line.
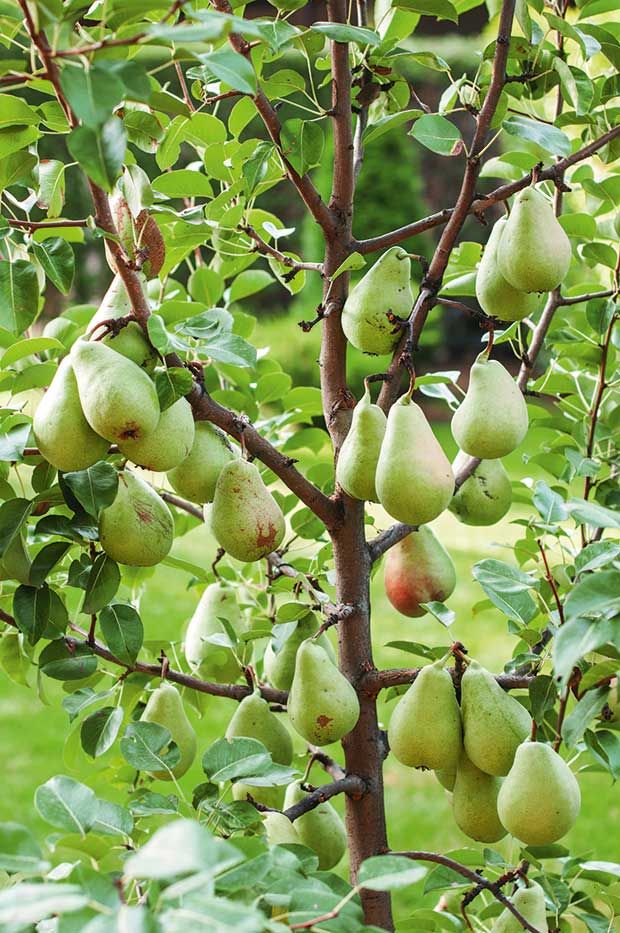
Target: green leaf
{"points": [[438, 134], [183, 847], [16, 112], [19, 295], [172, 383], [578, 637], [588, 707], [238, 758], [595, 596], [93, 91], [440, 612], [389, 122], [31, 608], [255, 168], [28, 347], [596, 555], [543, 694], [122, 631], [576, 86], [230, 348], [24, 905], [19, 851], [94, 488], [146, 746], [46, 560], [550, 504], [66, 804], [58, 262], [507, 588], [51, 193], [440, 9], [342, 32], [302, 144], [104, 580], [544, 135], [249, 283], [389, 873], [113, 820], [184, 183], [13, 514], [67, 661], [234, 70], [353, 262], [99, 730], [100, 152]]}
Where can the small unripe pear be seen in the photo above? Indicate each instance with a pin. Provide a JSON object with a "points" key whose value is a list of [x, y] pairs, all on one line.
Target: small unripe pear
{"points": [[418, 570], [492, 419], [254, 719], [534, 251], [279, 830], [245, 518], [131, 340], [268, 796], [279, 665], [414, 478], [494, 723], [359, 454], [485, 496], [425, 728], [170, 442], [165, 707], [195, 477], [474, 803], [137, 529], [384, 289], [539, 800], [322, 704], [530, 902], [210, 660], [320, 829], [496, 296]]}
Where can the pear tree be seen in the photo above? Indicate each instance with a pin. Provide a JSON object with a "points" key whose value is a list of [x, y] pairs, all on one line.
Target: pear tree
{"points": [[231, 776]]}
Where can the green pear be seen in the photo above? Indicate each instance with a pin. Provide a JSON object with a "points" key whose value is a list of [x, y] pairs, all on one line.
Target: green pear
{"points": [[320, 829], [492, 420], [414, 477], [170, 442], [254, 719], [474, 803], [425, 728], [485, 496], [359, 454], [539, 800], [322, 704], [165, 707], [534, 252], [272, 797], [137, 529], [119, 400], [496, 296], [245, 518], [63, 435], [494, 723], [63, 329], [15, 562], [279, 665], [447, 778], [384, 289], [530, 902], [210, 660], [195, 477], [279, 830], [131, 341], [418, 570]]}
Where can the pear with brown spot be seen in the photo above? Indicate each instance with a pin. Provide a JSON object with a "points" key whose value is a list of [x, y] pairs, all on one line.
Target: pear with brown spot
{"points": [[322, 704], [245, 518]]}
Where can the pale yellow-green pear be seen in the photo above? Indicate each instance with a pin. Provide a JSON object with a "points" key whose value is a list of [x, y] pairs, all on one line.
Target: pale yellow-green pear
{"points": [[384, 289], [245, 518], [539, 800], [165, 707], [425, 728], [322, 704], [359, 454], [279, 665], [62, 329], [279, 830], [195, 477], [485, 496], [137, 529], [492, 420], [474, 802], [320, 829], [534, 251], [414, 478], [494, 723], [418, 570], [62, 433], [130, 341], [447, 778], [170, 442], [496, 296], [530, 902], [210, 660], [254, 719], [118, 398], [272, 797]]}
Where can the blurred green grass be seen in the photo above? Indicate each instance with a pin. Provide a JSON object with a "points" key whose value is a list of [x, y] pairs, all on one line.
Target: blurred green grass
{"points": [[419, 815]]}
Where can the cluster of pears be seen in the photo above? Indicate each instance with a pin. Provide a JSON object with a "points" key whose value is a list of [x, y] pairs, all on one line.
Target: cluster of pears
{"points": [[527, 253], [499, 780]]}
